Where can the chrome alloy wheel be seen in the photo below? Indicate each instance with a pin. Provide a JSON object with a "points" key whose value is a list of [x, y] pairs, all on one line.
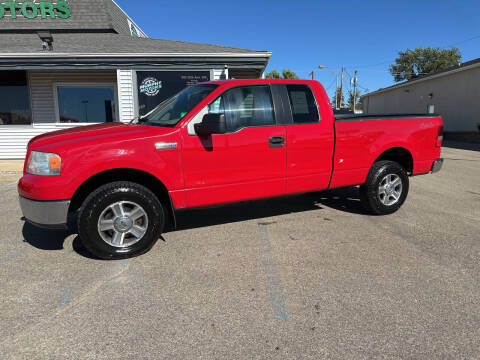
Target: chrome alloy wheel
{"points": [[122, 224], [390, 189]]}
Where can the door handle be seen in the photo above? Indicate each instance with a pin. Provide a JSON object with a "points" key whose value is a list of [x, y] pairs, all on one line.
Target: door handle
{"points": [[276, 141]]}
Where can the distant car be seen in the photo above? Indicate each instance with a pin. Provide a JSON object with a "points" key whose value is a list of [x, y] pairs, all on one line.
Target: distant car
{"points": [[219, 142]]}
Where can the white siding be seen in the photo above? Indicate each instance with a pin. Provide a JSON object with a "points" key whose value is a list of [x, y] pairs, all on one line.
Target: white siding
{"points": [[216, 74], [126, 96], [14, 139]]}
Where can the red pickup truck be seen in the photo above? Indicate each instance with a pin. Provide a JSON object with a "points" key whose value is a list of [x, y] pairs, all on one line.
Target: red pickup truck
{"points": [[219, 142]]}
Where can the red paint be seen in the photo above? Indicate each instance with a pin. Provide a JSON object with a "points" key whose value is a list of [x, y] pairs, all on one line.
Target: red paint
{"points": [[233, 166], [236, 166]]}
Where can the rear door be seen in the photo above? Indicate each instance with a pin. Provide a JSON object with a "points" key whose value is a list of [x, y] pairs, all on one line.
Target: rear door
{"points": [[310, 141], [248, 162]]}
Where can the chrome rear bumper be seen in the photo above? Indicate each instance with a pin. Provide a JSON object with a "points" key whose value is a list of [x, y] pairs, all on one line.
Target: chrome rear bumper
{"points": [[437, 165], [51, 214]]}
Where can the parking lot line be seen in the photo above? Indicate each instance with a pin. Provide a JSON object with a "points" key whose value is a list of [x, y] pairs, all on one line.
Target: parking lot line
{"points": [[274, 283], [69, 293]]}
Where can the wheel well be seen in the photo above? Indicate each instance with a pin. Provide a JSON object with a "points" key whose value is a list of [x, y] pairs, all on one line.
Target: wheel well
{"points": [[132, 175], [399, 155]]}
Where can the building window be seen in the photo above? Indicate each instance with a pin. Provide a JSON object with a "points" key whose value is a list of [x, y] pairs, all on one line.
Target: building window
{"points": [[14, 98], [304, 108], [86, 104], [156, 86]]}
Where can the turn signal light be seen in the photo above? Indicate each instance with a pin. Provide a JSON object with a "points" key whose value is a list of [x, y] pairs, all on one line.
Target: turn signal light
{"points": [[55, 163]]}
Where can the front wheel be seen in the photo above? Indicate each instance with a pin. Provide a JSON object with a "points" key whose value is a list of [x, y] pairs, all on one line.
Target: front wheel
{"points": [[120, 220], [385, 189]]}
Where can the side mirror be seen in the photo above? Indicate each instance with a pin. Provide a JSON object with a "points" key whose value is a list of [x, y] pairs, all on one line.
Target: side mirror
{"points": [[211, 124]]}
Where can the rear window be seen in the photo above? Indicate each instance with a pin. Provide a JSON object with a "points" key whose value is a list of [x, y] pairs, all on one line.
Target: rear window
{"points": [[302, 102]]}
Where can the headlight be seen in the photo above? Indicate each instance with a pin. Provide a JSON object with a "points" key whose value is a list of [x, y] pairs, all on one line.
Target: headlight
{"points": [[46, 164]]}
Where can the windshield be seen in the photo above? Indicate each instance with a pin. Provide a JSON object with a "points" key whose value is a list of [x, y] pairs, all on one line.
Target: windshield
{"points": [[171, 111]]}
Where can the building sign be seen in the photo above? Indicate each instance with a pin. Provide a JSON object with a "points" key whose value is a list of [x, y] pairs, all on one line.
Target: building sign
{"points": [[157, 86], [150, 86], [35, 9]]}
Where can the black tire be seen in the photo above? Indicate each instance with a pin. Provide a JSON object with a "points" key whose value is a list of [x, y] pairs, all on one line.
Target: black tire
{"points": [[99, 200], [370, 195]]}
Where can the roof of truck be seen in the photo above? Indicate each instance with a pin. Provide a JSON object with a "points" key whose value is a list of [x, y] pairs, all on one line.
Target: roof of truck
{"points": [[261, 81]]}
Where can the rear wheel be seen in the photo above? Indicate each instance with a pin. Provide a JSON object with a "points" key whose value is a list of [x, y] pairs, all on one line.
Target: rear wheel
{"points": [[120, 220], [385, 189]]}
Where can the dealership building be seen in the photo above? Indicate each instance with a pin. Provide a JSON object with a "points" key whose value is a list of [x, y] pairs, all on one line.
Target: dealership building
{"points": [[65, 64]]}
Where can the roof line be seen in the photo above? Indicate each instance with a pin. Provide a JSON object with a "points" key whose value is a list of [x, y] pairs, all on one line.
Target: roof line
{"points": [[96, 55], [465, 66], [129, 18]]}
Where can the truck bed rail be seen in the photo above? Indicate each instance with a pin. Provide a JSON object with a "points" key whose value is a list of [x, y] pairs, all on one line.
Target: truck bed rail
{"points": [[367, 117]]}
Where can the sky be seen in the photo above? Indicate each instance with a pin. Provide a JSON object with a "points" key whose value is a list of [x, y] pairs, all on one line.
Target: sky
{"points": [[303, 34]]}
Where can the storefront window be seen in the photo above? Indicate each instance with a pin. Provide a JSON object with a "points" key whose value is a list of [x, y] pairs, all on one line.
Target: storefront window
{"points": [[156, 86], [14, 98], [86, 104]]}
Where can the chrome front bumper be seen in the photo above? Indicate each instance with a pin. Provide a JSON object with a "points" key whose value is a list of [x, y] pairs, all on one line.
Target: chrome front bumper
{"points": [[437, 165], [51, 214]]}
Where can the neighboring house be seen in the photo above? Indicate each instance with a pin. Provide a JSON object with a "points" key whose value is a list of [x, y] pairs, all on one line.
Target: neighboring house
{"points": [[65, 64], [453, 93]]}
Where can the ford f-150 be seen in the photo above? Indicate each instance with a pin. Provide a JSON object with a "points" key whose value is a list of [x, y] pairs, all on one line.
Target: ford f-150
{"points": [[219, 142]]}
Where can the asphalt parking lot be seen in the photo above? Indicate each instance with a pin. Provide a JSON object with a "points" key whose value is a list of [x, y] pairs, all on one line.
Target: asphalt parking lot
{"points": [[309, 276]]}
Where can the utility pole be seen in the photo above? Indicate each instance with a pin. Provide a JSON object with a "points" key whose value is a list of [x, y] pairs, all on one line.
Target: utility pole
{"points": [[313, 75], [355, 90], [336, 82], [341, 88], [336, 91]]}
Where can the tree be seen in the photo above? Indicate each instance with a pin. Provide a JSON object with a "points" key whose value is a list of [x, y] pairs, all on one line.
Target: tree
{"points": [[286, 74], [358, 101], [410, 64], [289, 74], [336, 96], [274, 74]]}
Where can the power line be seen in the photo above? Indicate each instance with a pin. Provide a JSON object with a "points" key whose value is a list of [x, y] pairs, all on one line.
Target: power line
{"points": [[389, 61], [360, 86], [372, 65], [464, 41], [331, 84], [365, 67]]}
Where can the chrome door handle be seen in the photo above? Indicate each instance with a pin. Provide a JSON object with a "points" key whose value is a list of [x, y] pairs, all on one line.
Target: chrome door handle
{"points": [[164, 146]]}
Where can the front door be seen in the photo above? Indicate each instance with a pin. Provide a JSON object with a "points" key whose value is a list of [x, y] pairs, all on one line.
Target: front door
{"points": [[247, 162]]}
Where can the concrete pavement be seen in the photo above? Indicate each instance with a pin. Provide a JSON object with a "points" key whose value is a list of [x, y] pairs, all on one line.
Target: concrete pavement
{"points": [[304, 277]]}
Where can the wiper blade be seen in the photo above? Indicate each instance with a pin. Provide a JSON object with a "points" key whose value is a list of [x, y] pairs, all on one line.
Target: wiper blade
{"points": [[138, 120]]}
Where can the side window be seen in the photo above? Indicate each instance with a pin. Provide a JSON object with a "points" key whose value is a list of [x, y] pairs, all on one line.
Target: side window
{"points": [[302, 102], [245, 106], [217, 106]]}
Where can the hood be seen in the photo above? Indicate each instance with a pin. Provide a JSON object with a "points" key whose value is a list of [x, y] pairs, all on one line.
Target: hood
{"points": [[95, 133]]}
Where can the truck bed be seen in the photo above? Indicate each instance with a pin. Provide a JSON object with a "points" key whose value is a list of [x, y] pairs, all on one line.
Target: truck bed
{"points": [[360, 138]]}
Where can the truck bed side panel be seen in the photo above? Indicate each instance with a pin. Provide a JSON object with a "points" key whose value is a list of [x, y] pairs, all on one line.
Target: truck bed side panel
{"points": [[360, 142]]}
